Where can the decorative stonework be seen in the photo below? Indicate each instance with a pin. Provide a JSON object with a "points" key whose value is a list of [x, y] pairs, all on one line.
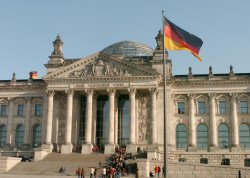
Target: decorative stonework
{"points": [[100, 68], [144, 118]]}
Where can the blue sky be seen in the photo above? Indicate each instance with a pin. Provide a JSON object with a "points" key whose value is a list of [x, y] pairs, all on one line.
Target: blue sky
{"points": [[28, 28]]}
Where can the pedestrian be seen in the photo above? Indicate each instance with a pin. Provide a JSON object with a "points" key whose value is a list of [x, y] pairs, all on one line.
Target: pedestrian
{"points": [[95, 171], [156, 170], [78, 173], [100, 164], [151, 174], [104, 172], [92, 170], [159, 171], [82, 173]]}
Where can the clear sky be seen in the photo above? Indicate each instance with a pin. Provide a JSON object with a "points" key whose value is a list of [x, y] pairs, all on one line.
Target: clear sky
{"points": [[28, 28]]}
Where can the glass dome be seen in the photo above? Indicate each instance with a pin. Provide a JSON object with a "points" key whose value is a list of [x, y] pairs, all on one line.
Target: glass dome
{"points": [[128, 49]]}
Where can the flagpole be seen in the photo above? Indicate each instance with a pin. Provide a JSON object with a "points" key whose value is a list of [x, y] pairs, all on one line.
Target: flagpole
{"points": [[165, 151]]}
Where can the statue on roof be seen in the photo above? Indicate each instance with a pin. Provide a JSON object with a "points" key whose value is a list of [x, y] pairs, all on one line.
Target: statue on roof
{"points": [[159, 40]]}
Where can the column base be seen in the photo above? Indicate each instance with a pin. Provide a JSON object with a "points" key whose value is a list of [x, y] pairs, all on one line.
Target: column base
{"points": [[48, 147], [66, 149], [191, 149], [131, 148], [87, 148], [213, 148], [109, 149], [235, 149]]}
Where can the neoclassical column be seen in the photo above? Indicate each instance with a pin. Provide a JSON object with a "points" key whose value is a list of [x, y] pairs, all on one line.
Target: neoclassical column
{"points": [[27, 122], [153, 92], [48, 144], [109, 147], [234, 123], [132, 140], [87, 146], [212, 124], [9, 138], [67, 147], [191, 128]]}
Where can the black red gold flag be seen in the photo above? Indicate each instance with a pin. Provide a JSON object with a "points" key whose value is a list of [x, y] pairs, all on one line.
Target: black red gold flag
{"points": [[175, 38]]}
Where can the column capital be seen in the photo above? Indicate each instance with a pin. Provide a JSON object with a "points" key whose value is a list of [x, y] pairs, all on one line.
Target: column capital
{"points": [[233, 96], [132, 91], [111, 91], [211, 95], [191, 95], [11, 98], [69, 92], [50, 92], [89, 91], [153, 90]]}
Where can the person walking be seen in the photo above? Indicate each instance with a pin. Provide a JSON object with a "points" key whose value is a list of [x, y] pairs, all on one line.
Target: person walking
{"points": [[82, 173]]}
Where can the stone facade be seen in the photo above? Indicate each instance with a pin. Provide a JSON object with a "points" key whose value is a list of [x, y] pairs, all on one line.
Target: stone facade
{"points": [[207, 115]]}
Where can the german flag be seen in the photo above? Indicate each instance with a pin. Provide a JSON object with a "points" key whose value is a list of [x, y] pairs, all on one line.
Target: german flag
{"points": [[176, 38], [33, 75]]}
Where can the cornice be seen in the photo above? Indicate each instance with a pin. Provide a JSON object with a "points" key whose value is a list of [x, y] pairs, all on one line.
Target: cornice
{"points": [[209, 83], [113, 79], [11, 88]]}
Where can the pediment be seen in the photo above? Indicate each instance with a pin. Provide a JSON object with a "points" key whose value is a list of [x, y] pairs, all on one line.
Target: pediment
{"points": [[99, 66], [181, 98]]}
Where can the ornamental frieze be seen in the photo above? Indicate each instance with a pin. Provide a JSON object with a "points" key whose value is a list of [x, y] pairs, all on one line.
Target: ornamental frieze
{"points": [[100, 68]]}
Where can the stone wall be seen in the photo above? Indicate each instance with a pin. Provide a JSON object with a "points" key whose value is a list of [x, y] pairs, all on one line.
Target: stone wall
{"points": [[189, 170], [7, 163]]}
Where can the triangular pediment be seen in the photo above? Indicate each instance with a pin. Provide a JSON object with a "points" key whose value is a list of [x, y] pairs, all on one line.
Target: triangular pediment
{"points": [[99, 66]]}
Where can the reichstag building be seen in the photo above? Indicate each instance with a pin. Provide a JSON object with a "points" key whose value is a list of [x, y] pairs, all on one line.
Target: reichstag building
{"points": [[115, 97]]}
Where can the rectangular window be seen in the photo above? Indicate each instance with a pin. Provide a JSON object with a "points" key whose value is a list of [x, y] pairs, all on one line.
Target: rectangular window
{"points": [[181, 107], [204, 161], [243, 107], [247, 162], [20, 110], [222, 107], [38, 109], [3, 110], [201, 108], [225, 161]]}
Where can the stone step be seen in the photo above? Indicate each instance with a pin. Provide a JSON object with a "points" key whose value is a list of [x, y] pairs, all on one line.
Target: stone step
{"points": [[50, 165]]}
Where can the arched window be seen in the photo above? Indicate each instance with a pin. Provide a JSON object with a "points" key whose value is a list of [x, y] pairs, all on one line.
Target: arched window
{"points": [[19, 135], [37, 136], [181, 136], [2, 135], [244, 136], [202, 140], [223, 136]]}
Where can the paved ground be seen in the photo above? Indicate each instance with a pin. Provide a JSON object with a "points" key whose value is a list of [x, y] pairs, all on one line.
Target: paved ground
{"points": [[40, 176]]}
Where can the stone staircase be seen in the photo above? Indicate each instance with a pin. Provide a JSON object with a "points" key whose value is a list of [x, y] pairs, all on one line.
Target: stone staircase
{"points": [[50, 164]]}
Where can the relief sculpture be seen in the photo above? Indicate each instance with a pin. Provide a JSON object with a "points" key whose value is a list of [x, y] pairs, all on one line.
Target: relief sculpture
{"points": [[143, 118], [100, 68]]}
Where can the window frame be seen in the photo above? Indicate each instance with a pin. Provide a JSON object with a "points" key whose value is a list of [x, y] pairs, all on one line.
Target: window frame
{"points": [[3, 112], [181, 110], [222, 110], [200, 109], [243, 109], [38, 112], [20, 112]]}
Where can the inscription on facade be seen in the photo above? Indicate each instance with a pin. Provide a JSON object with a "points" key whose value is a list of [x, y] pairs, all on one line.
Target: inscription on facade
{"points": [[102, 85]]}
